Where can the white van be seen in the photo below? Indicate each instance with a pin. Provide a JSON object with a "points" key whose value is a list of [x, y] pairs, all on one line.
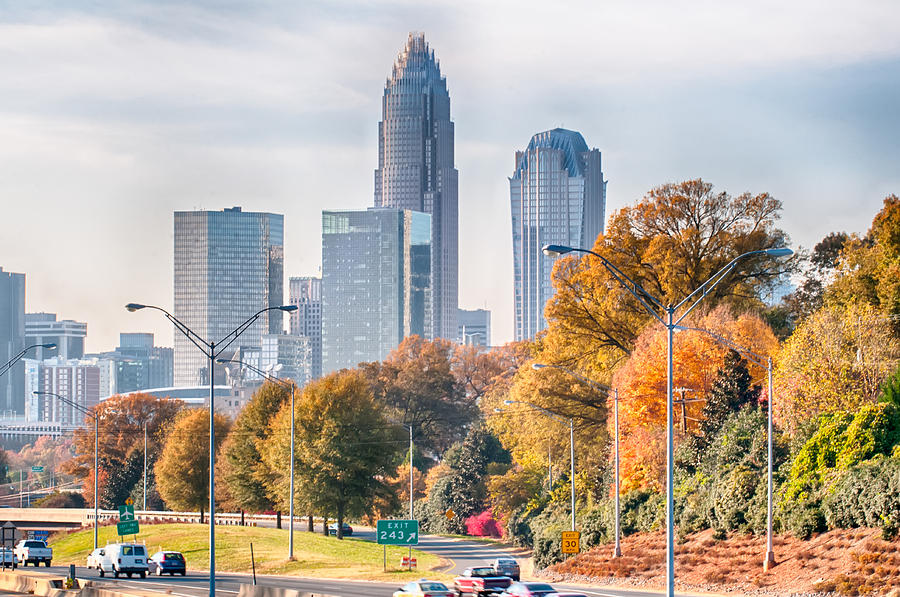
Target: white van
{"points": [[123, 558]]}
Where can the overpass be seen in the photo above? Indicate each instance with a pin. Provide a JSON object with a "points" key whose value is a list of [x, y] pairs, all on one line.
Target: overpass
{"points": [[55, 519]]}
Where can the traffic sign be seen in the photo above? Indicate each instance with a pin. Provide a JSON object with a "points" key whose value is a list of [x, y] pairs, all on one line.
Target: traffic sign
{"points": [[37, 469], [398, 532], [128, 528], [126, 513], [449, 513], [571, 542]]}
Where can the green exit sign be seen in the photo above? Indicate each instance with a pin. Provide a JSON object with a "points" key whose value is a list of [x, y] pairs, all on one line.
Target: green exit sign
{"points": [[398, 532], [37, 469]]}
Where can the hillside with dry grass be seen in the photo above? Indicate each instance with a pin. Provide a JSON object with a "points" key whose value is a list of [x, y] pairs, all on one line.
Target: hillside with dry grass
{"points": [[844, 562]]}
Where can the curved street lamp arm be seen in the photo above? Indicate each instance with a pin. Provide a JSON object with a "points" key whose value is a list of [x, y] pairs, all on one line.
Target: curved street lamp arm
{"points": [[225, 342], [714, 280], [628, 284], [552, 415], [74, 405], [751, 356], [11, 363], [597, 386], [181, 327]]}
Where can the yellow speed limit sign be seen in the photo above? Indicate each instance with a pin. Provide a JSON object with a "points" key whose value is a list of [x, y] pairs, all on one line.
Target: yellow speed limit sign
{"points": [[571, 542]]}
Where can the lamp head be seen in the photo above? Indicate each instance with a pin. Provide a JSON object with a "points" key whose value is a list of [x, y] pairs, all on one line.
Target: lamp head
{"points": [[223, 361], [556, 250], [498, 410], [288, 308], [508, 402], [134, 307], [537, 366], [51, 345], [779, 252]]}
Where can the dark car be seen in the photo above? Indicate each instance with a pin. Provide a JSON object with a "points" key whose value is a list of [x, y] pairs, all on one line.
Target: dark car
{"points": [[167, 562], [507, 567], [347, 532], [528, 589]]}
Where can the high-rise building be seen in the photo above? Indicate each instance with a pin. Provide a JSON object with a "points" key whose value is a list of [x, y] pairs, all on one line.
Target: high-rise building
{"points": [[558, 195], [306, 294], [475, 327], [416, 166], [12, 341], [228, 266], [68, 335], [376, 283], [76, 381]]}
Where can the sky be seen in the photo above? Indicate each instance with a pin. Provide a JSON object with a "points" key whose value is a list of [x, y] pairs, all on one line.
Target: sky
{"points": [[113, 115]]}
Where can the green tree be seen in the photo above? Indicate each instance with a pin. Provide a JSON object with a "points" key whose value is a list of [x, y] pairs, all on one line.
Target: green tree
{"points": [[890, 388], [182, 471], [242, 470], [61, 499], [345, 448]]}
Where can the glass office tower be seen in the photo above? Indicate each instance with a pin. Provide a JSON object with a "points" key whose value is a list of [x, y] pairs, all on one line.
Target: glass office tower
{"points": [[376, 283], [12, 341], [228, 265], [415, 166], [557, 196]]}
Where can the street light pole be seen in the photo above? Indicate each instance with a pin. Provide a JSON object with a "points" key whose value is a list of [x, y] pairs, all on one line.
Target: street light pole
{"points": [[211, 350], [87, 412], [657, 310], [145, 465], [618, 550], [765, 363]]}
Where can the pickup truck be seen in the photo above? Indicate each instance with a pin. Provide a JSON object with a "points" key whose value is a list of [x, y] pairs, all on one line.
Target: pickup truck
{"points": [[480, 581], [32, 551]]}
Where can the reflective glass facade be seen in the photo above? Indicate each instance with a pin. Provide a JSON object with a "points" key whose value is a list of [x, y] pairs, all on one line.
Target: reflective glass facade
{"points": [[228, 265], [557, 196], [376, 283], [12, 341], [306, 294], [416, 166]]}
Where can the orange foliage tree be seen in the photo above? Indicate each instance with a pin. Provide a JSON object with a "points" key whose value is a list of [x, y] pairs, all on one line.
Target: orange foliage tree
{"points": [[641, 383]]}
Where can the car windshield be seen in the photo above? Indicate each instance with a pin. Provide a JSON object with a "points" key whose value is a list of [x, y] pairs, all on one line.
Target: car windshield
{"points": [[536, 586], [482, 571], [175, 557], [35, 544], [506, 562], [138, 550], [432, 586], [126, 550]]}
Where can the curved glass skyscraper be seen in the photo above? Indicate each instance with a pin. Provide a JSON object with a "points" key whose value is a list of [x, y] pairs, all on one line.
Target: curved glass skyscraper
{"points": [[416, 171], [557, 196]]}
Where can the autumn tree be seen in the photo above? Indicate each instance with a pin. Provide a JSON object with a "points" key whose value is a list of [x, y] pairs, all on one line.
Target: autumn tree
{"points": [[242, 470], [835, 361], [669, 243], [121, 446], [417, 386], [345, 448], [182, 471], [641, 382]]}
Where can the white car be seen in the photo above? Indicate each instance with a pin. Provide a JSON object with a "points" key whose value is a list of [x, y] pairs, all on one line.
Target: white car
{"points": [[123, 558], [96, 557], [422, 587]]}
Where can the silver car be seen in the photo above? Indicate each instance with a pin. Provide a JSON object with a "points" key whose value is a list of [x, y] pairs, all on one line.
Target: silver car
{"points": [[507, 567]]}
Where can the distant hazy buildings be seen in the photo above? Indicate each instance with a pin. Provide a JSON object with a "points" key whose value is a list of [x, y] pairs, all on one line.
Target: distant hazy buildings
{"points": [[77, 381], [416, 166], [557, 195], [228, 266], [306, 294], [12, 341], [140, 365], [474, 327], [287, 356], [68, 335], [376, 283]]}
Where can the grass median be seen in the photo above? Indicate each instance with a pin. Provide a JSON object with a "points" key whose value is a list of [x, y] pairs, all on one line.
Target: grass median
{"points": [[316, 555]]}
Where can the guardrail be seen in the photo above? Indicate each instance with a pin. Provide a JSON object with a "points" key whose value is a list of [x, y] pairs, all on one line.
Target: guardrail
{"points": [[85, 516]]}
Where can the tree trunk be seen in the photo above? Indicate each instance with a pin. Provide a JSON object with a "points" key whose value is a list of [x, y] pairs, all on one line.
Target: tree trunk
{"points": [[325, 525], [278, 519], [242, 517], [310, 527], [340, 521], [201, 514]]}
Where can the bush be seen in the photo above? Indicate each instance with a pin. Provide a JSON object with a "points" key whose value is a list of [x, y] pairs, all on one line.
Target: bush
{"points": [[868, 495], [804, 518], [643, 510], [482, 525], [65, 499]]}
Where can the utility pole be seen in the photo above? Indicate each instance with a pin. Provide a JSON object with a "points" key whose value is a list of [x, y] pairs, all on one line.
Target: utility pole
{"points": [[145, 466]]}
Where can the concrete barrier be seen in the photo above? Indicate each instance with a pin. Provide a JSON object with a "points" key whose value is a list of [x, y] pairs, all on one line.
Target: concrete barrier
{"points": [[259, 591]]}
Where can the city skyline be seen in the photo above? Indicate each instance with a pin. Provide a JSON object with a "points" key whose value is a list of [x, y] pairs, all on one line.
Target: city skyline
{"points": [[158, 109]]}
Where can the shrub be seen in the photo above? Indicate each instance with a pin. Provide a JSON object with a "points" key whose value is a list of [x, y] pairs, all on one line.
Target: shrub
{"points": [[65, 499], [482, 525], [804, 518], [868, 495]]}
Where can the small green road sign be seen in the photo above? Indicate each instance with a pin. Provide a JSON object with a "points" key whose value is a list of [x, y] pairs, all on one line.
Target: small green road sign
{"points": [[37, 469], [126, 513], [128, 528], [398, 532]]}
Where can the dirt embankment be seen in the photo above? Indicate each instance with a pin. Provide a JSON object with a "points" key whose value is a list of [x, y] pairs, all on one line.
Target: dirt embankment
{"points": [[845, 562]]}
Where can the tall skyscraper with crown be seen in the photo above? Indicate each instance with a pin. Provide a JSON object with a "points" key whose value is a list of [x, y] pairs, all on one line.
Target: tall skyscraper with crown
{"points": [[416, 167]]}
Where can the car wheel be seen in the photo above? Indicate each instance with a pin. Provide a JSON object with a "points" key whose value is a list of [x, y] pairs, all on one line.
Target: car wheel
{"points": [[115, 572], [143, 575], [47, 563], [182, 573], [100, 568]]}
